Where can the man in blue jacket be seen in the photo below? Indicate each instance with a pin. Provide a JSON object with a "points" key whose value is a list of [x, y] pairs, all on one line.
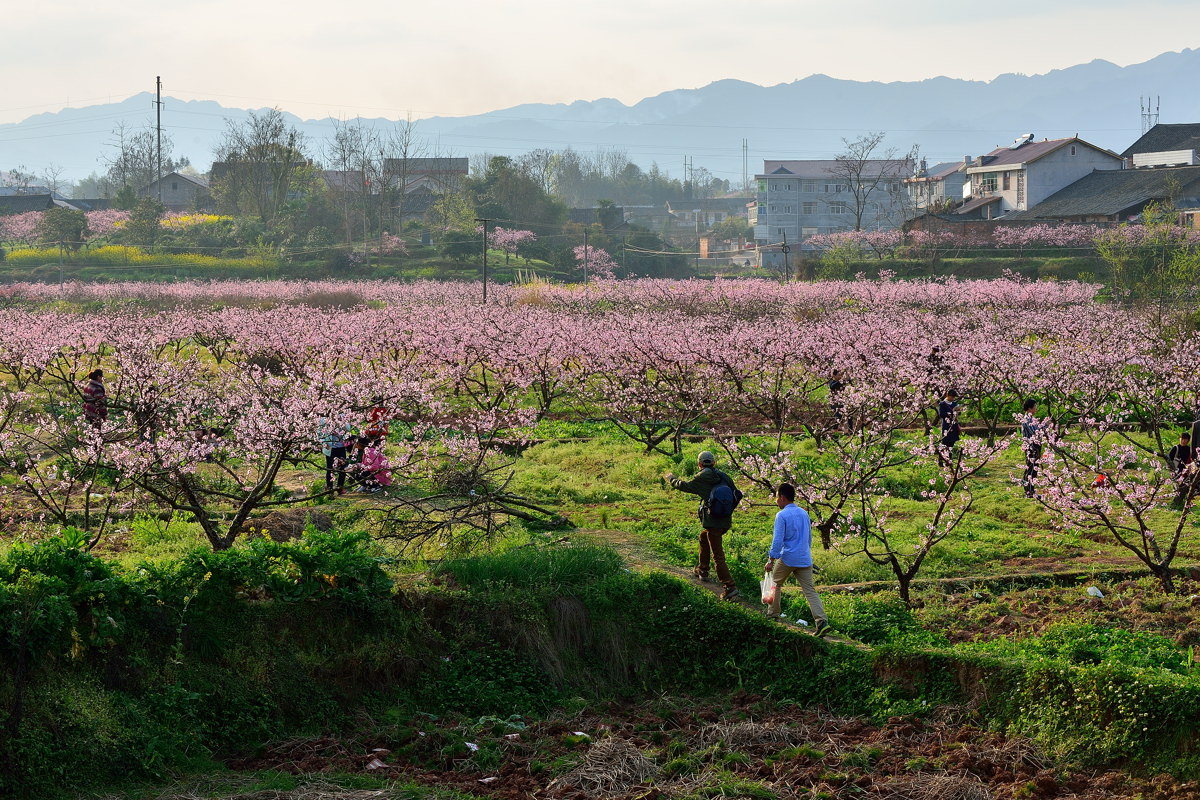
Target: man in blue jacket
{"points": [[791, 554]]}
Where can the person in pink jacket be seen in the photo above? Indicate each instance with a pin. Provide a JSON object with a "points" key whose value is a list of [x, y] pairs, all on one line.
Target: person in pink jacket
{"points": [[377, 473]]}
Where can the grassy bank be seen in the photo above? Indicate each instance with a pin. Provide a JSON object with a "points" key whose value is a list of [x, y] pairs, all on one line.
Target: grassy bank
{"points": [[117, 675]]}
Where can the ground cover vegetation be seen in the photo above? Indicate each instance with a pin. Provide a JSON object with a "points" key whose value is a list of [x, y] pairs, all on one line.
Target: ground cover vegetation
{"points": [[153, 624]]}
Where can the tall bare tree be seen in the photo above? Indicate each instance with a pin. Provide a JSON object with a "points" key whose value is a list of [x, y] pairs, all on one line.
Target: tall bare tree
{"points": [[866, 171], [352, 154], [133, 158], [400, 148], [260, 162]]}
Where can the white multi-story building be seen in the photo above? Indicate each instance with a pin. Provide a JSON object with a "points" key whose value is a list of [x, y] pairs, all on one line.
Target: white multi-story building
{"points": [[799, 199]]}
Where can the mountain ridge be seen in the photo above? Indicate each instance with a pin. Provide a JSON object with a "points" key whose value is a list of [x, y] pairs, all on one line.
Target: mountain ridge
{"points": [[805, 118]]}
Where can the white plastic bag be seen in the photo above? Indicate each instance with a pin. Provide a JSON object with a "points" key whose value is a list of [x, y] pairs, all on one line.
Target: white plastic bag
{"points": [[769, 588]]}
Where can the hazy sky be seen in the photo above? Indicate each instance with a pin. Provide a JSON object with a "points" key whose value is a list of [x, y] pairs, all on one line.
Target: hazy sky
{"points": [[389, 58]]}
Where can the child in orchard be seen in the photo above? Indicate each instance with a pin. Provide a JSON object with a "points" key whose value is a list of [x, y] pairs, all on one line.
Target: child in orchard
{"points": [[377, 473]]}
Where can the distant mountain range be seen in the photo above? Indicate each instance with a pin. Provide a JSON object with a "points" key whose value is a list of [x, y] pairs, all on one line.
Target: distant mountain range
{"points": [[808, 118]]}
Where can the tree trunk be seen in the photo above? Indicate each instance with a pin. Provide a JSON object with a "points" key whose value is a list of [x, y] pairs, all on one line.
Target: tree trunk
{"points": [[1165, 577]]}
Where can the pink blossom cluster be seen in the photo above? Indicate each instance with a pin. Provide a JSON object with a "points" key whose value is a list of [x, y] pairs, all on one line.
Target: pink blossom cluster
{"points": [[881, 243], [105, 222], [750, 297], [1072, 236], [20, 228], [595, 262], [390, 244], [510, 239]]}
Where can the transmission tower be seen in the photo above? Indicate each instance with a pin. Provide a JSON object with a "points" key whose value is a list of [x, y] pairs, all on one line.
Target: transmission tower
{"points": [[1149, 115]]}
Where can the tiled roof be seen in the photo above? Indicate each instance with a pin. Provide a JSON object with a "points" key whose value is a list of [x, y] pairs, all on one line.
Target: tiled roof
{"points": [[825, 168], [1031, 151], [978, 202], [1165, 137], [20, 203], [1112, 192], [938, 172]]}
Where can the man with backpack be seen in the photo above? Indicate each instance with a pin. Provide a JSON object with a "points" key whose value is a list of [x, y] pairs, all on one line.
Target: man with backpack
{"points": [[718, 497]]}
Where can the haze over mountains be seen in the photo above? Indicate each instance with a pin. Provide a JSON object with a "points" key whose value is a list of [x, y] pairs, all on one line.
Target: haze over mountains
{"points": [[808, 118]]}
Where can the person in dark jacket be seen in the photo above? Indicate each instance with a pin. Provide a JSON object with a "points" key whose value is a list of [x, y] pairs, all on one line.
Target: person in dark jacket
{"points": [[1181, 455], [947, 412], [95, 399], [712, 528], [1031, 428]]}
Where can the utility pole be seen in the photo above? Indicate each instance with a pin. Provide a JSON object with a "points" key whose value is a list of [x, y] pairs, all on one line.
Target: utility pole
{"points": [[485, 249], [787, 267], [585, 255], [158, 114], [745, 165]]}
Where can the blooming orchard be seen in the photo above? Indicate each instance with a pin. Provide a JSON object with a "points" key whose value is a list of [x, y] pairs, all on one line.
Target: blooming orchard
{"points": [[215, 388]]}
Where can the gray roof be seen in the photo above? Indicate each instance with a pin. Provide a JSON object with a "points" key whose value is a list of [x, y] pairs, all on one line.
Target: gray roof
{"points": [[1165, 137], [1113, 193], [198, 180], [1031, 151], [826, 168], [975, 203], [20, 203]]}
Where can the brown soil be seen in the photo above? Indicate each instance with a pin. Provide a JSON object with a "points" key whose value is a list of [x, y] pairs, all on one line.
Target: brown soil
{"points": [[697, 751]]}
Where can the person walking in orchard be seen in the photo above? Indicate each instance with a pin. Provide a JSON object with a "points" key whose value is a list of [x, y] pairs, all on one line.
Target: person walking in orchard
{"points": [[95, 399], [947, 411], [1031, 426], [718, 497], [791, 554]]}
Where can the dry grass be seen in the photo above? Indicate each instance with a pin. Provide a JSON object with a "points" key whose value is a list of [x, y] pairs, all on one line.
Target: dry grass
{"points": [[747, 734], [612, 766], [935, 787]]}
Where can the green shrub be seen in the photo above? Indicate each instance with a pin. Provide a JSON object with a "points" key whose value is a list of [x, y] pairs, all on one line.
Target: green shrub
{"points": [[873, 620], [557, 568], [1079, 643]]}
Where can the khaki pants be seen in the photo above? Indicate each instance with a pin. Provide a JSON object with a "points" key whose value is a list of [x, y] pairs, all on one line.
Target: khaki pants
{"points": [[805, 576]]}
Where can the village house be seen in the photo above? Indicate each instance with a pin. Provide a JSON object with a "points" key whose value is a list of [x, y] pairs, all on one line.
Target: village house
{"points": [[1018, 177], [180, 192]]}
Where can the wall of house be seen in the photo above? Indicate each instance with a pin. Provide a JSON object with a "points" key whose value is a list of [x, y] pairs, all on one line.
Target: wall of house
{"points": [[177, 194], [1060, 169]]}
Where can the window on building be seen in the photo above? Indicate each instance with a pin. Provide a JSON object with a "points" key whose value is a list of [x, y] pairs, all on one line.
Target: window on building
{"points": [[987, 182], [762, 185], [1007, 181], [174, 186], [834, 188], [1072, 149], [787, 209], [787, 187], [808, 208], [808, 186], [809, 231], [839, 208]]}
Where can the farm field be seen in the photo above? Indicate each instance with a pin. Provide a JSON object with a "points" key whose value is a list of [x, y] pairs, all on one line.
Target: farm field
{"points": [[522, 581]]}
